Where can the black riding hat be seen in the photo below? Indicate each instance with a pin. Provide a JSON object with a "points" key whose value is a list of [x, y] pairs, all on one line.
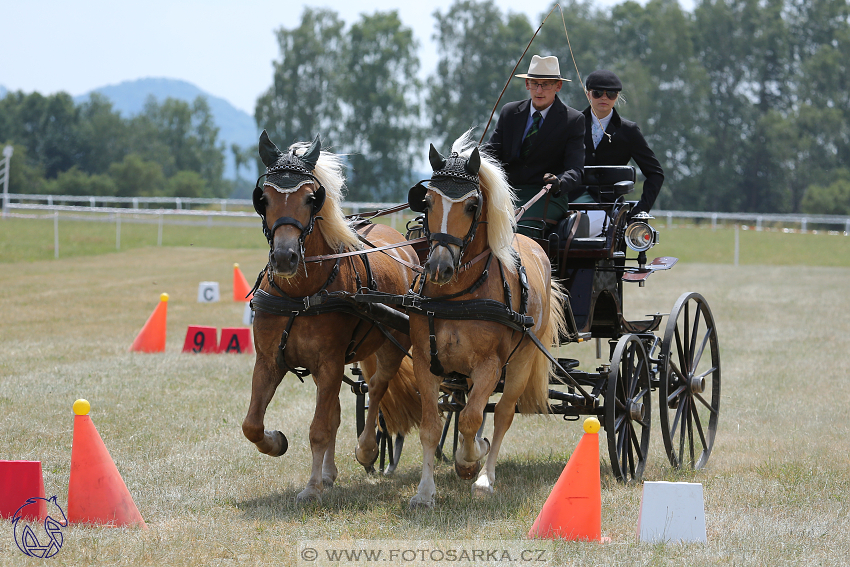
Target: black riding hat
{"points": [[454, 176], [603, 80], [287, 171]]}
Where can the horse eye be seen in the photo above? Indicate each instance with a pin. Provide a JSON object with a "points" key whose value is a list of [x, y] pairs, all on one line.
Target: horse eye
{"points": [[471, 206]]}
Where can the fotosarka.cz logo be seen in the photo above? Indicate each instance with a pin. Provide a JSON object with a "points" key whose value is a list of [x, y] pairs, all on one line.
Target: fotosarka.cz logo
{"points": [[35, 542]]}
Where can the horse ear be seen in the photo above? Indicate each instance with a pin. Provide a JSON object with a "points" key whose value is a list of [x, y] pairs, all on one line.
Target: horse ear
{"points": [[473, 164], [311, 156], [268, 151], [438, 162]]}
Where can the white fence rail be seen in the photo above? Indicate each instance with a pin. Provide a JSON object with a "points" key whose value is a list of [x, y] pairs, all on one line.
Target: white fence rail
{"points": [[175, 210], [225, 207]]}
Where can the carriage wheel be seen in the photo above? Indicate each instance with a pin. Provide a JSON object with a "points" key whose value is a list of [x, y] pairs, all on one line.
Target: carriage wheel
{"points": [[689, 383], [627, 409]]}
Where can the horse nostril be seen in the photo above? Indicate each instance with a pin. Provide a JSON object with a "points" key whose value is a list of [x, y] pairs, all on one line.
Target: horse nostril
{"points": [[285, 259]]}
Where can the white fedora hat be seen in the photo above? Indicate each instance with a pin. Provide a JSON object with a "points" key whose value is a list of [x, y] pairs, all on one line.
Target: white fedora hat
{"points": [[544, 68]]}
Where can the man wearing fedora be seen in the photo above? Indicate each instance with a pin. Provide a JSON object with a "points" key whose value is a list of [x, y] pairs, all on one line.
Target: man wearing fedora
{"points": [[540, 141]]}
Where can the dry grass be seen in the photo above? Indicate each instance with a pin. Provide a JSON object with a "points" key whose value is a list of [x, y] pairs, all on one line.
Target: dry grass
{"points": [[776, 486]]}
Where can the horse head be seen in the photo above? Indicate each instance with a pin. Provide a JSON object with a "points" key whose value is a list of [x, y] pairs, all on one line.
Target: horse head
{"points": [[453, 205], [288, 201]]}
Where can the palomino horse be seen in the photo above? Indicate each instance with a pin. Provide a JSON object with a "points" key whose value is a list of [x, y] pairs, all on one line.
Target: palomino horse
{"points": [[478, 267], [305, 321]]}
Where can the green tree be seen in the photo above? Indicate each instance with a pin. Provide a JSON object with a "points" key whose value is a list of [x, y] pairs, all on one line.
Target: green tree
{"points": [[833, 199], [382, 133], [478, 48], [77, 182], [304, 98], [186, 184], [135, 177], [25, 176], [104, 135], [180, 137]]}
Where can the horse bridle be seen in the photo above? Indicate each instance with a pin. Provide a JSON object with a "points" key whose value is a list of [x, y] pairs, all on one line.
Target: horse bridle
{"points": [[416, 202], [318, 201]]}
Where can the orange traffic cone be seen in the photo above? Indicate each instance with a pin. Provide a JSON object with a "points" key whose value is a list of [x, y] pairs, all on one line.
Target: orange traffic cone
{"points": [[241, 289], [573, 510], [152, 336], [96, 492]]}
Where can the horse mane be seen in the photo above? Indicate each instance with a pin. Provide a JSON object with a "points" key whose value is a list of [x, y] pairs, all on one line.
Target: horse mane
{"points": [[336, 230], [499, 197]]}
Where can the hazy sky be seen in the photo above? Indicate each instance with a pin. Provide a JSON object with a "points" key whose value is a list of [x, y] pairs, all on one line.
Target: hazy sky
{"points": [[224, 47]]}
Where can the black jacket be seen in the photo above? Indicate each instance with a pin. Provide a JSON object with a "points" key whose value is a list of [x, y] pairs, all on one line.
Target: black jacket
{"points": [[558, 147], [627, 142]]}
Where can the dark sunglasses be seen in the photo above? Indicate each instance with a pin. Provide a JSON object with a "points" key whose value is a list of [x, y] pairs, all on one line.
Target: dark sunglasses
{"points": [[612, 95]]}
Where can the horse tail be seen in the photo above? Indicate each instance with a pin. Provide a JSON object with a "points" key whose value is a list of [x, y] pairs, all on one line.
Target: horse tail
{"points": [[401, 405], [535, 398]]}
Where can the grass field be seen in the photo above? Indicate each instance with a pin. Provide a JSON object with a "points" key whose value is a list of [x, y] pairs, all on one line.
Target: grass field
{"points": [[776, 486]]}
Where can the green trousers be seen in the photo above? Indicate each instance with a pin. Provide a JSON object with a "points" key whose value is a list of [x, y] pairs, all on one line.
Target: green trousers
{"points": [[556, 209]]}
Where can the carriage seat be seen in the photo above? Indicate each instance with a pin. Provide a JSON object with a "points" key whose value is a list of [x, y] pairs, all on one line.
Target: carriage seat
{"points": [[607, 183]]}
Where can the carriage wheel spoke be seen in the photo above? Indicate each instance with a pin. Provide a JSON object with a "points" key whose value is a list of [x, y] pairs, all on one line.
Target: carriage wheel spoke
{"points": [[698, 355], [682, 406], [618, 423], [693, 344], [683, 363], [676, 420], [675, 395], [698, 424], [705, 403], [633, 384], [630, 453], [691, 435]]}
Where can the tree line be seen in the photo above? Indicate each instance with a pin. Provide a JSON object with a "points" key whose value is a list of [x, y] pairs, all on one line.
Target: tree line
{"points": [[169, 149], [745, 102]]}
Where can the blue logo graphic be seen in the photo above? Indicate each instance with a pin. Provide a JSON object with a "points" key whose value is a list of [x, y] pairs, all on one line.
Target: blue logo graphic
{"points": [[27, 540]]}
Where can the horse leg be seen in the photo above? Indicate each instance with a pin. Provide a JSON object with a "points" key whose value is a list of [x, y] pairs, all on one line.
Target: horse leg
{"points": [[265, 381], [503, 416], [329, 471], [430, 430], [388, 362], [323, 428], [471, 448]]}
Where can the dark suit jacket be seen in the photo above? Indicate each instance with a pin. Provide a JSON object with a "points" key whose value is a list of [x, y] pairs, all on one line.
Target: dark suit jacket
{"points": [[558, 147], [627, 142]]}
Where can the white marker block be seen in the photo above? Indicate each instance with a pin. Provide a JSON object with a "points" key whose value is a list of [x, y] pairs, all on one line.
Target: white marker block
{"points": [[248, 315], [208, 292], [672, 512]]}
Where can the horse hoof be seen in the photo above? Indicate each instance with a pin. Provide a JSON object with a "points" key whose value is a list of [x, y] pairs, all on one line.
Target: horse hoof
{"points": [[280, 441], [365, 462], [308, 496], [328, 482], [421, 503], [467, 472], [481, 491]]}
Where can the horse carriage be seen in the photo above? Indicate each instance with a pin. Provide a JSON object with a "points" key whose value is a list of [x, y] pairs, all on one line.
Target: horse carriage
{"points": [[478, 320]]}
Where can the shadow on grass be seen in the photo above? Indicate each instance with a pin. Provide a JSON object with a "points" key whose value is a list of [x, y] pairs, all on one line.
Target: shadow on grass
{"points": [[521, 485]]}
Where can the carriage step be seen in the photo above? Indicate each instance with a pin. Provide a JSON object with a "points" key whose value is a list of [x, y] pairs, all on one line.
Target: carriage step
{"points": [[568, 363]]}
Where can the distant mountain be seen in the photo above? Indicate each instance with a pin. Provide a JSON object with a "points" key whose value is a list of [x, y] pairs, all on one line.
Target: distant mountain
{"points": [[3, 91], [235, 126]]}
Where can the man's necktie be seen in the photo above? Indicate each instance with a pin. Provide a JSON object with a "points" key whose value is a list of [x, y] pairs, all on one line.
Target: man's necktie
{"points": [[532, 133]]}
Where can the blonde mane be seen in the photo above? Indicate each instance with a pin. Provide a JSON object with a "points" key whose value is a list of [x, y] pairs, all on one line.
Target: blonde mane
{"points": [[499, 198], [336, 230]]}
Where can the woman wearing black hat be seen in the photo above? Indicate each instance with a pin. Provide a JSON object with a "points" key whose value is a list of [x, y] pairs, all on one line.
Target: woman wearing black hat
{"points": [[611, 140]]}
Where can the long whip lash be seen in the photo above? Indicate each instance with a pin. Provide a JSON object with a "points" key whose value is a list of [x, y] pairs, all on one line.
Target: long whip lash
{"points": [[496, 106]]}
